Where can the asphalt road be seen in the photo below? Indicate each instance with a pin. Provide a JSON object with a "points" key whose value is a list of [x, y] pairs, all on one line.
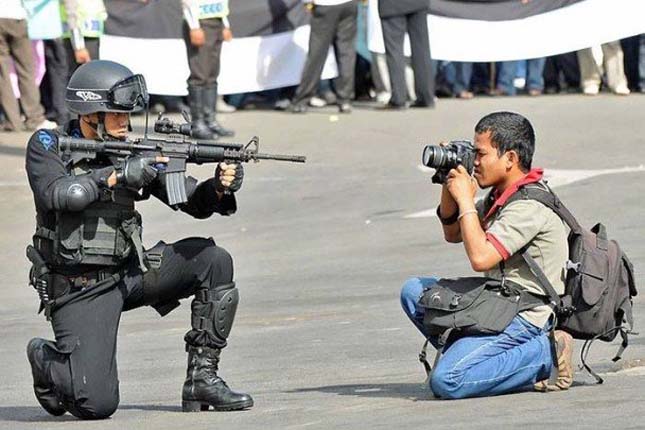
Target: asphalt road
{"points": [[320, 252]]}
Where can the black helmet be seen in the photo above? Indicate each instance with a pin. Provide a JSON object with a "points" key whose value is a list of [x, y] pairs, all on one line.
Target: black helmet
{"points": [[105, 86]]}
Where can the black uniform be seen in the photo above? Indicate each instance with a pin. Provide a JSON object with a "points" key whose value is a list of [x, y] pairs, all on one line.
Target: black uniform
{"points": [[105, 236]]}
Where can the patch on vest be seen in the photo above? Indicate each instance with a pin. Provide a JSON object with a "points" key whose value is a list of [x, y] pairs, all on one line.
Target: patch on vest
{"points": [[46, 139]]}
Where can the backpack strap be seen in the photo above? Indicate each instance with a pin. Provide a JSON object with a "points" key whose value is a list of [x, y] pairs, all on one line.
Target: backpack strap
{"points": [[549, 199]]}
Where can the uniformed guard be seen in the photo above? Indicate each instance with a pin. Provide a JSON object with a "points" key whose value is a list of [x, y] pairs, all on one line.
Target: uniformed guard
{"points": [[89, 264], [206, 29], [83, 26]]}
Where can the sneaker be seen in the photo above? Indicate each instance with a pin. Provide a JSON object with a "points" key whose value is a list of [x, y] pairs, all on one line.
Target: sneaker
{"points": [[591, 90], [223, 107], [564, 350], [317, 102], [621, 90]]}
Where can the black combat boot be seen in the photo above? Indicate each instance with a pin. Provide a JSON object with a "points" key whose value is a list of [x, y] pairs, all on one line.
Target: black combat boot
{"points": [[37, 355], [210, 100], [198, 127], [203, 388]]}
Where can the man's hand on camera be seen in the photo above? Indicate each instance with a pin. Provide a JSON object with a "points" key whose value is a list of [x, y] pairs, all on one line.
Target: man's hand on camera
{"points": [[462, 186], [229, 177], [139, 172]]}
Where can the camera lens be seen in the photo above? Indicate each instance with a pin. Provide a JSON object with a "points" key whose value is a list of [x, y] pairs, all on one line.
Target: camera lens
{"points": [[433, 156]]}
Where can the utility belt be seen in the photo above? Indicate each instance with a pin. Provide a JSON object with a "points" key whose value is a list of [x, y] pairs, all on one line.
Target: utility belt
{"points": [[54, 289]]}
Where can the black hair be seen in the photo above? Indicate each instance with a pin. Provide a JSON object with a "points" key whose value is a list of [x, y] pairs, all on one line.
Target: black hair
{"points": [[510, 131]]}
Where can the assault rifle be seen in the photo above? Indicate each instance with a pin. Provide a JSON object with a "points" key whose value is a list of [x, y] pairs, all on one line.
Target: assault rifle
{"points": [[179, 151]]}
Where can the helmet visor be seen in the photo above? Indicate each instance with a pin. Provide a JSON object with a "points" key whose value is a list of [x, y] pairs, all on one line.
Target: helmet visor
{"points": [[129, 93]]}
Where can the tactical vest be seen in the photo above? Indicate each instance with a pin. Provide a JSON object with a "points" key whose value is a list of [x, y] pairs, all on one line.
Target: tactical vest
{"points": [[103, 234], [91, 18], [213, 9]]}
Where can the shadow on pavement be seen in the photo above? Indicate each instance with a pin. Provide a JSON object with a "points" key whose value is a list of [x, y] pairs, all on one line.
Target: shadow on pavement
{"points": [[159, 408], [416, 392], [33, 414], [12, 150]]}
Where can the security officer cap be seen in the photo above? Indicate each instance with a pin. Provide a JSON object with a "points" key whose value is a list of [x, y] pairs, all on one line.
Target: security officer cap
{"points": [[105, 86]]}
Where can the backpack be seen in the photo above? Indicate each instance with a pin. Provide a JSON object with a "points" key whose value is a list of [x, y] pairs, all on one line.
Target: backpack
{"points": [[597, 302]]}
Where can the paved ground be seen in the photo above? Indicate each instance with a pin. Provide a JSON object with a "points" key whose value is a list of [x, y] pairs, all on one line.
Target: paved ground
{"points": [[321, 250]]}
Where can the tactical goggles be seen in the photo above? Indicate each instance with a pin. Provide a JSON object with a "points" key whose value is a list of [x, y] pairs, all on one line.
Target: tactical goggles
{"points": [[129, 93]]}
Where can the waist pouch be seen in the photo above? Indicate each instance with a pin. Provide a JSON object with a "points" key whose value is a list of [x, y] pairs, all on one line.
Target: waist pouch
{"points": [[473, 306]]}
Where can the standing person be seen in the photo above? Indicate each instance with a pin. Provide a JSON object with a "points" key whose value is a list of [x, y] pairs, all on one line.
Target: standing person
{"points": [[93, 265], [83, 26], [611, 64], [397, 18], [332, 22], [206, 28], [494, 236], [15, 46]]}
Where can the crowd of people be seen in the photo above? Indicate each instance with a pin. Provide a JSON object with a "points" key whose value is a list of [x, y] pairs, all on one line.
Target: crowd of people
{"points": [[391, 80]]}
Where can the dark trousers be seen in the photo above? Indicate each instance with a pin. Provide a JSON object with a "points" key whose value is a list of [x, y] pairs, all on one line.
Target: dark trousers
{"points": [[330, 25], [15, 45], [394, 29], [92, 44], [82, 363], [204, 61], [565, 64], [54, 83]]}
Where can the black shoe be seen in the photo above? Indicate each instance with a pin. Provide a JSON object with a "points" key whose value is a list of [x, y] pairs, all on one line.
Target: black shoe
{"points": [[203, 388], [198, 126], [37, 356], [298, 108], [422, 105], [392, 106], [220, 131], [199, 130], [345, 107]]}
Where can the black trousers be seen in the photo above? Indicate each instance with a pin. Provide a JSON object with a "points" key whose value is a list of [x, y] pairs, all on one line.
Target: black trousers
{"points": [[82, 362], [330, 25], [204, 61], [394, 29], [567, 64], [54, 83], [92, 44]]}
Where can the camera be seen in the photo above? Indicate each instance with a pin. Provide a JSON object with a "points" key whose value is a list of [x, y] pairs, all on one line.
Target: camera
{"points": [[444, 158]]}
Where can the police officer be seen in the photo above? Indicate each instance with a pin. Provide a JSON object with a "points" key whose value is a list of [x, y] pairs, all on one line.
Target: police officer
{"points": [[89, 235], [83, 25], [205, 30]]}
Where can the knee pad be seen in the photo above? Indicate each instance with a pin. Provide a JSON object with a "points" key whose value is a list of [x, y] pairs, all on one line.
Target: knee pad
{"points": [[213, 312]]}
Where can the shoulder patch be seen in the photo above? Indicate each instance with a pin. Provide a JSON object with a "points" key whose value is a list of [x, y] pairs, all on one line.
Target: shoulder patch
{"points": [[46, 139]]}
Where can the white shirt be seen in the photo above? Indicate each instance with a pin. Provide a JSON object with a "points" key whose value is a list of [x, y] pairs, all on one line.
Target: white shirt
{"points": [[12, 9]]}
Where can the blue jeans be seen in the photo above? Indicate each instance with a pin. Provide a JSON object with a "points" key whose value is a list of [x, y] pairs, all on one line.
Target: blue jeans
{"points": [[507, 71], [476, 366], [458, 75]]}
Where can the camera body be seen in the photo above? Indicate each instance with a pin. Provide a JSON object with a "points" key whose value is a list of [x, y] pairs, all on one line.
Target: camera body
{"points": [[444, 158]]}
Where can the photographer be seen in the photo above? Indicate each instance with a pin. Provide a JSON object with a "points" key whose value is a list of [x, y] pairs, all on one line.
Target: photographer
{"points": [[494, 237]]}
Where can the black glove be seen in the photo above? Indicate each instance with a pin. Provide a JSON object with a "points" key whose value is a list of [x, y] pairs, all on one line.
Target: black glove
{"points": [[137, 172], [235, 184]]}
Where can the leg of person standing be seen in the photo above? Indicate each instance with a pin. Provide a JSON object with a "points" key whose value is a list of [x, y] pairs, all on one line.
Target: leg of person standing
{"points": [[213, 29], [589, 72], [394, 28], [463, 74], [534, 76], [201, 63], [417, 24], [57, 67], [324, 22], [506, 71], [615, 68], [17, 45], [345, 48]]}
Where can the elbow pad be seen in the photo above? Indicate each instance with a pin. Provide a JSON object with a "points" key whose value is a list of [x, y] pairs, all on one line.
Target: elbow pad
{"points": [[74, 193]]}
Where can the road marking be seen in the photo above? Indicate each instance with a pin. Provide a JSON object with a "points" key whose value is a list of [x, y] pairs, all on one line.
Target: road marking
{"points": [[556, 177]]}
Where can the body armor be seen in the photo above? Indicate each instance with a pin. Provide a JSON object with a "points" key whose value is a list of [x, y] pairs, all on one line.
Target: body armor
{"points": [[103, 234]]}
